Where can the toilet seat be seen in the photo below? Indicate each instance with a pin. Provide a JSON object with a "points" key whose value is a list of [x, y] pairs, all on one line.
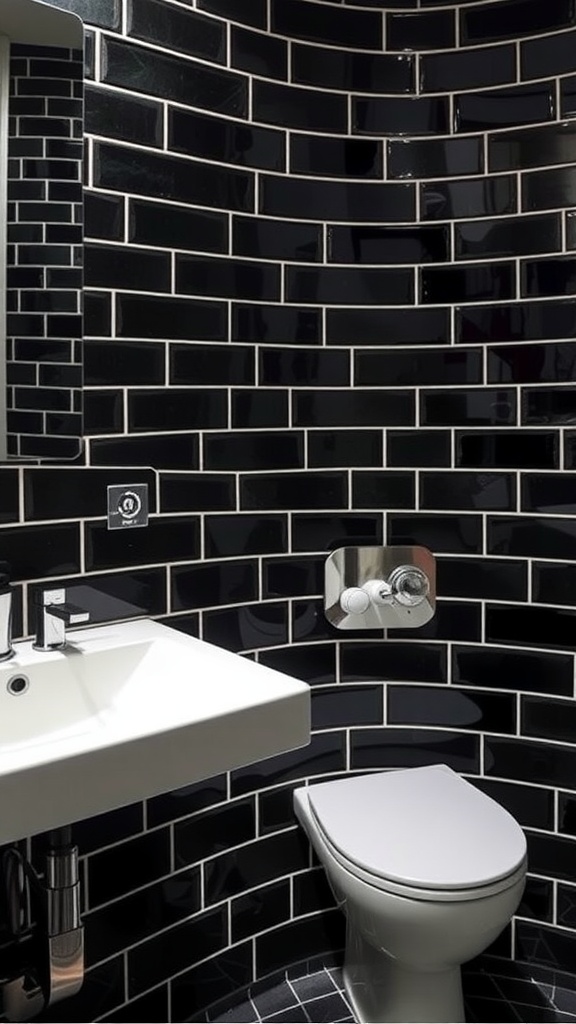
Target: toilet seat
{"points": [[440, 838]]}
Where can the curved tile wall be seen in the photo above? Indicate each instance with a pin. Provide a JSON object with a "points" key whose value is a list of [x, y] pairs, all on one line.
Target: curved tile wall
{"points": [[329, 274]]}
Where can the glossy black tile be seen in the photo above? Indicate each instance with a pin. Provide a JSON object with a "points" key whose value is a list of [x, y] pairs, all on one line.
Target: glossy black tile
{"points": [[228, 535], [441, 533], [273, 239], [76, 493], [543, 190], [567, 97], [422, 30], [165, 177], [508, 20], [541, 627], [97, 314], [548, 492], [258, 407], [250, 626], [509, 237], [551, 855], [553, 583], [288, 577], [411, 748], [221, 975], [208, 832], [103, 216], [566, 814], [452, 621], [521, 321], [105, 266], [545, 764], [505, 108], [111, 874], [548, 719], [548, 405], [260, 910], [227, 141], [293, 107], [227, 278], [337, 200], [294, 491], [177, 227], [548, 277], [315, 664], [259, 53], [533, 671], [369, 244], [301, 939], [211, 364], [205, 586], [551, 55], [336, 158], [569, 450], [532, 537], [451, 707], [9, 496], [385, 489], [344, 448], [312, 892], [120, 117], [432, 158], [521, 449], [349, 71], [291, 367], [468, 284], [413, 326], [350, 285], [309, 623], [418, 367], [153, 1004], [541, 945], [400, 115], [386, 660], [171, 78], [38, 551], [336, 26], [149, 962], [186, 801], [173, 409], [461, 407], [326, 532], [326, 753], [337, 706], [164, 540], [182, 30], [284, 325], [127, 922], [472, 491], [467, 69], [418, 447], [254, 450], [163, 451], [357, 408], [485, 578], [255, 14], [531, 147], [531, 806], [523, 364]]}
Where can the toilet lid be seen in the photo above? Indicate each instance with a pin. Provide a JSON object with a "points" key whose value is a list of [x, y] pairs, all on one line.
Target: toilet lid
{"points": [[423, 827]]}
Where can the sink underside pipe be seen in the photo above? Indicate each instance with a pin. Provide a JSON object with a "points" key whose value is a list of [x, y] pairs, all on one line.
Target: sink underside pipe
{"points": [[55, 964]]}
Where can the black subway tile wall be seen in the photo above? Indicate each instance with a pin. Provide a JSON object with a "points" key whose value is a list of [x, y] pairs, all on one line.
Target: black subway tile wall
{"points": [[329, 300]]}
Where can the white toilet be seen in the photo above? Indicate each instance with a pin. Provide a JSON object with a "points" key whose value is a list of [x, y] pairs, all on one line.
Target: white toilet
{"points": [[428, 870]]}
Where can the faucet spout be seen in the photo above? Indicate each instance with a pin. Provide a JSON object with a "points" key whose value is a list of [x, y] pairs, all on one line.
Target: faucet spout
{"points": [[6, 649]]}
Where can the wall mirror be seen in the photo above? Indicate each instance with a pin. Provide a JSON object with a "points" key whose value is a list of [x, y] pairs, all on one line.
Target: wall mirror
{"points": [[41, 231]]}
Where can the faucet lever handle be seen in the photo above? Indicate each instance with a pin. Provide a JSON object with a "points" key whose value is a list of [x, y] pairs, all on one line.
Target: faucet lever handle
{"points": [[71, 614]]}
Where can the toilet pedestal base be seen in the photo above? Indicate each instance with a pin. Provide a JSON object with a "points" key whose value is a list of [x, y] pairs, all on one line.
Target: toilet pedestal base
{"points": [[381, 991]]}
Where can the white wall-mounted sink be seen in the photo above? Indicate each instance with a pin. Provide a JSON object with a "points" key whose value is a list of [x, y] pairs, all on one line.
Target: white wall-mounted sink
{"points": [[128, 711]]}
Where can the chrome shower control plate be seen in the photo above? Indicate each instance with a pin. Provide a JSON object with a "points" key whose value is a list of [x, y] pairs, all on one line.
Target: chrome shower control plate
{"points": [[380, 587]]}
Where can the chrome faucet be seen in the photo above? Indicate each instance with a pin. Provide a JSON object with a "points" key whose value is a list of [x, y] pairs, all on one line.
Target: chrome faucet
{"points": [[6, 649], [53, 614]]}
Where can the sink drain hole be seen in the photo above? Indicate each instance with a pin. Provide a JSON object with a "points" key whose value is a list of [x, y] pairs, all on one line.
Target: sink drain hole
{"points": [[17, 685]]}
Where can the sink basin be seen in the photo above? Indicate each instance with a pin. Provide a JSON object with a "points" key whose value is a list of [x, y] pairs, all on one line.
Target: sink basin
{"points": [[128, 711]]}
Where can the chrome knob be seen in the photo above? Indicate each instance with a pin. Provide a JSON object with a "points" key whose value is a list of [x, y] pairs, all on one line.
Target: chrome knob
{"points": [[410, 585]]}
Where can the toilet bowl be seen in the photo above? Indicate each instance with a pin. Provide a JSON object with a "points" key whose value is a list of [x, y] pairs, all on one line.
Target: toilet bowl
{"points": [[428, 871]]}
